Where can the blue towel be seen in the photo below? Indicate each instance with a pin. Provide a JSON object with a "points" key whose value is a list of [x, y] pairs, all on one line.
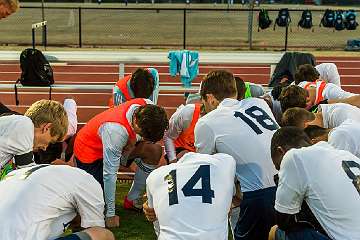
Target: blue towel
{"points": [[185, 63]]}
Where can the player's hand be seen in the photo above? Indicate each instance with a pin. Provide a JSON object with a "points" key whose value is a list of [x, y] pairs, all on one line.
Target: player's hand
{"points": [[112, 222], [149, 212]]}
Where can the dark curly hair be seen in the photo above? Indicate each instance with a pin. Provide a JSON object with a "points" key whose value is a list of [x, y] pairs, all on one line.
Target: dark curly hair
{"points": [[292, 96], [153, 121], [306, 72], [142, 83]]}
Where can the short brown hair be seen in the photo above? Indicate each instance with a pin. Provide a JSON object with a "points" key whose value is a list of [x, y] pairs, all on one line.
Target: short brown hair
{"points": [[142, 83], [219, 83], [296, 116], [241, 88], [48, 111], [292, 96], [306, 72], [13, 4]]}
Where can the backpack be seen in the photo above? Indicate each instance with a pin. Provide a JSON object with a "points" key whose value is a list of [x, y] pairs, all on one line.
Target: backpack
{"points": [[35, 70], [339, 23], [306, 20], [283, 18], [328, 19], [263, 19], [350, 20]]}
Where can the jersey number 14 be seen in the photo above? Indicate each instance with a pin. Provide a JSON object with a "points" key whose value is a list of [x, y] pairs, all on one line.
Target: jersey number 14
{"points": [[203, 174]]}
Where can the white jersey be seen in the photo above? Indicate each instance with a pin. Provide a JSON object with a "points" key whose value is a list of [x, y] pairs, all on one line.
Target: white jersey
{"points": [[346, 137], [335, 114], [332, 91], [243, 129], [38, 202], [16, 137], [323, 177], [178, 122], [192, 197]]}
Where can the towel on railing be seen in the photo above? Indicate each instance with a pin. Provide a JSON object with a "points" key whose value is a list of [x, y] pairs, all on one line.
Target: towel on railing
{"points": [[185, 63]]}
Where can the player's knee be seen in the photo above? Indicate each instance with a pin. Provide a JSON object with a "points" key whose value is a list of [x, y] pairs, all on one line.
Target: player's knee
{"points": [[99, 233]]}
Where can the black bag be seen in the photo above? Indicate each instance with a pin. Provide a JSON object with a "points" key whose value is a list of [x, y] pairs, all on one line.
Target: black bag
{"points": [[306, 20], [283, 18], [264, 20], [350, 20], [35, 70], [328, 19], [339, 23]]}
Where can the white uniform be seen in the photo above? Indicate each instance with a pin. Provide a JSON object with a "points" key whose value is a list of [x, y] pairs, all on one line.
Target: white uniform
{"points": [[335, 114], [329, 72], [178, 122], [192, 197], [331, 91], [346, 137], [16, 137], [242, 129], [325, 186], [38, 202]]}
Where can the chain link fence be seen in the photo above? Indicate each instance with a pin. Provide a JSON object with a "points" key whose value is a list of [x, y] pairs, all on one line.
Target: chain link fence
{"points": [[167, 28]]}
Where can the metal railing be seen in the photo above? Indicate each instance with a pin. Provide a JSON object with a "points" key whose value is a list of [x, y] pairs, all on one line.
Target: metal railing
{"points": [[190, 28]]}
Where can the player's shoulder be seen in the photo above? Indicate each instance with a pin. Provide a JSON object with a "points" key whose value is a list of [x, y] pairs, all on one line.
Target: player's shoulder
{"points": [[159, 173]]}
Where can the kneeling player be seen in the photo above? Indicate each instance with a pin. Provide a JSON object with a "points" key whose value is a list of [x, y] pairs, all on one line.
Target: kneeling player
{"points": [[40, 202], [324, 178]]}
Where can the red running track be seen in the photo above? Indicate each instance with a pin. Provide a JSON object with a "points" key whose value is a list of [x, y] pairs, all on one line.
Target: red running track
{"points": [[92, 102]]}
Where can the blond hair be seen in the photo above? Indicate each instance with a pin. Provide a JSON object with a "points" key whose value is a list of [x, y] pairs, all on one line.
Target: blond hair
{"points": [[296, 117], [12, 4], [48, 111]]}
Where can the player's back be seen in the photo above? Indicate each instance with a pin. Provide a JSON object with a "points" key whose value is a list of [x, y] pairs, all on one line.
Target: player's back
{"points": [[326, 178], [244, 130], [192, 197], [38, 201], [335, 114]]}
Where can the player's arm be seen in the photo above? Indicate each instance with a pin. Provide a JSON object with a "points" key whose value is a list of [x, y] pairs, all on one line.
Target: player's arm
{"points": [[71, 108], [353, 100], [289, 194], [114, 138], [204, 138]]}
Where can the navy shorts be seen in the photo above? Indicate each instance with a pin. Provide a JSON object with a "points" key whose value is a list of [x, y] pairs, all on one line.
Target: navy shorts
{"points": [[95, 169], [76, 236], [303, 234], [257, 215]]}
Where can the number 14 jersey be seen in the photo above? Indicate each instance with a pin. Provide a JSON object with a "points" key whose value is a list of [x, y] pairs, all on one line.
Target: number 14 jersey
{"points": [[192, 197]]}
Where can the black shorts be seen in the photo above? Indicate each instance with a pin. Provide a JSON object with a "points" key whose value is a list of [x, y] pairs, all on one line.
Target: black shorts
{"points": [[306, 233], [76, 236], [95, 169]]}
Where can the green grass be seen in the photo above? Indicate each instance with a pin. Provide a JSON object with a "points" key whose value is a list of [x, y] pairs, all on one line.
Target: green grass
{"points": [[133, 225], [164, 29]]}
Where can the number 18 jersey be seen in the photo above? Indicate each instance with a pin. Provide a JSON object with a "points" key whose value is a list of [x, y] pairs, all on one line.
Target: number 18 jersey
{"points": [[192, 197]]}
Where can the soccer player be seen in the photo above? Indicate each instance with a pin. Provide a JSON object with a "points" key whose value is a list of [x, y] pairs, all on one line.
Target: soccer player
{"points": [[192, 197], [40, 202], [44, 122], [109, 139], [325, 178], [242, 129], [344, 137], [8, 7], [327, 116], [143, 83]]}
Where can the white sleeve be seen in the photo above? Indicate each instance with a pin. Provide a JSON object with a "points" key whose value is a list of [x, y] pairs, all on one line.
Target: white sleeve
{"points": [[333, 91], [22, 138], [204, 138], [290, 192], [89, 202], [71, 108], [342, 140]]}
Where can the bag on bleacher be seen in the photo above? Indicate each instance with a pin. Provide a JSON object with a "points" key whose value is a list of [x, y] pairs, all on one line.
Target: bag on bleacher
{"points": [[350, 20], [328, 19], [283, 18], [264, 20], [339, 23], [306, 20], [35, 70]]}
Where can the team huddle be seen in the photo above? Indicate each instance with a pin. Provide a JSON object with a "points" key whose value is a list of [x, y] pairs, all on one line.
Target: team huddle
{"points": [[281, 165]]}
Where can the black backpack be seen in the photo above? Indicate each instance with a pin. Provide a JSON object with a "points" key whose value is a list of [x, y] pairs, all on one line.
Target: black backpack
{"points": [[339, 23], [306, 20], [264, 20], [328, 19], [283, 18], [35, 70], [350, 20]]}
